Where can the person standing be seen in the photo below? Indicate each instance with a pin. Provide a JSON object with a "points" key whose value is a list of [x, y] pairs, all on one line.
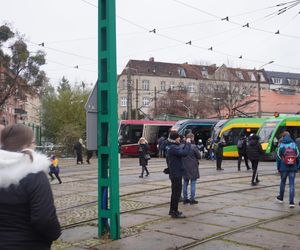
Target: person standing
{"points": [[143, 151], [201, 148], [54, 169], [254, 151], [242, 146], [288, 163], [218, 148], [191, 165], [161, 143], [27, 211], [175, 153], [78, 147]]}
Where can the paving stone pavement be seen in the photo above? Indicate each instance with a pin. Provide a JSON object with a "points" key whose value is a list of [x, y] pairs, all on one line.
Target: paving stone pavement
{"points": [[230, 214]]}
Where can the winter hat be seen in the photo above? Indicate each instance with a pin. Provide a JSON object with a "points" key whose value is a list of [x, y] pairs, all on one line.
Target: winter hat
{"points": [[174, 135]]}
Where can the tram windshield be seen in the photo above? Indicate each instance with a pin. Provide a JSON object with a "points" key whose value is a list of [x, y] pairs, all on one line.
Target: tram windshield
{"points": [[266, 131], [130, 133]]}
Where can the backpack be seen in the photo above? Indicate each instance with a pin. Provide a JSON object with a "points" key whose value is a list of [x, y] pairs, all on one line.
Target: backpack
{"points": [[240, 144], [289, 156]]}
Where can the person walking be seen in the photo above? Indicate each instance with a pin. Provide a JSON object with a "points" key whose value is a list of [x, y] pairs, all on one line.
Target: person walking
{"points": [[78, 147], [191, 165], [27, 211], [54, 169], [218, 148], [143, 151], [254, 151], [242, 146], [175, 152], [288, 163]]}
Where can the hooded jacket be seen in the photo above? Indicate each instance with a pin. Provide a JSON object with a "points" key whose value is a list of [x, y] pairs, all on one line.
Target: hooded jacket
{"points": [[254, 149], [27, 213], [281, 166]]}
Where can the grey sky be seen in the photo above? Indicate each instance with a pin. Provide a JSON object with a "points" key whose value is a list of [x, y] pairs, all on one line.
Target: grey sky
{"points": [[69, 28]]}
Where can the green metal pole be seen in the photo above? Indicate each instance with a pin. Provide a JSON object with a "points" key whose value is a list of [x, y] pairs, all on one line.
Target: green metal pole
{"points": [[108, 163]]}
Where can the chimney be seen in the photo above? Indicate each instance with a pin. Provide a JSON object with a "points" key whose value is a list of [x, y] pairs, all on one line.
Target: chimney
{"points": [[151, 59]]}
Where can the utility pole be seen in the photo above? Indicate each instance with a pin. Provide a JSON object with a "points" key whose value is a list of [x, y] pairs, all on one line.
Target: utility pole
{"points": [[155, 104], [259, 96], [137, 99], [129, 95]]}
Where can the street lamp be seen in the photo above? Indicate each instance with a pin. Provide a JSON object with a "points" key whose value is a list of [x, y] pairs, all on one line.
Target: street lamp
{"points": [[188, 109]]}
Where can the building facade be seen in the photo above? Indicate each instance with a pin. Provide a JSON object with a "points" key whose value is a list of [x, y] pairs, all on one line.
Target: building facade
{"points": [[141, 83]]}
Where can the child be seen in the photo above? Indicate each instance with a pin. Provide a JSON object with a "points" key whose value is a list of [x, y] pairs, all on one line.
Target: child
{"points": [[54, 169]]}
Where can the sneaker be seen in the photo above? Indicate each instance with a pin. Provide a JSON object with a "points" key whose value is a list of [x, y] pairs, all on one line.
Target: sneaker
{"points": [[193, 202], [292, 205], [280, 200], [186, 201], [177, 215]]}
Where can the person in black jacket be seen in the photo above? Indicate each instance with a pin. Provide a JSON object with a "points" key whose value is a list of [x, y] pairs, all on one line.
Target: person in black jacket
{"points": [[254, 151], [175, 152], [218, 148], [242, 147], [143, 151], [28, 217]]}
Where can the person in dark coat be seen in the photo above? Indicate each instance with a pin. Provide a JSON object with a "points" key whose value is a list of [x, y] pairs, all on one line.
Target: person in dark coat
{"points": [[218, 148], [242, 147], [175, 153], [287, 170], [161, 145], [254, 151], [191, 165], [78, 147], [27, 211], [143, 151]]}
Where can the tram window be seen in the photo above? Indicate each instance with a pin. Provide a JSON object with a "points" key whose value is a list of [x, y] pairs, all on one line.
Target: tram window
{"points": [[231, 136], [130, 133]]}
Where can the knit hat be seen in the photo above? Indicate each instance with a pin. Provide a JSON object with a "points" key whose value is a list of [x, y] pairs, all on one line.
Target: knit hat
{"points": [[174, 135]]}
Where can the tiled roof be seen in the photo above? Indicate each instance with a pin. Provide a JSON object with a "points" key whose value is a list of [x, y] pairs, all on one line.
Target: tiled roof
{"points": [[284, 75], [163, 69], [272, 101]]}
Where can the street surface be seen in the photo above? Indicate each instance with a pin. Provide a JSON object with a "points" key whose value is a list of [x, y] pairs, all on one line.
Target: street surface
{"points": [[231, 214]]}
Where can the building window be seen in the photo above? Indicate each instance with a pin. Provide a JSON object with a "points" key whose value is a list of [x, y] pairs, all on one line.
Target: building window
{"points": [[145, 84], [146, 101], [277, 80], [252, 77], [239, 75], [204, 73], [293, 82], [181, 72], [261, 77], [123, 84], [191, 87], [2, 77], [123, 102], [163, 85]]}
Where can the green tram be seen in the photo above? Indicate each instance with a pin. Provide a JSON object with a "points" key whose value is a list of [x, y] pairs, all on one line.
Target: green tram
{"points": [[271, 130], [231, 130]]}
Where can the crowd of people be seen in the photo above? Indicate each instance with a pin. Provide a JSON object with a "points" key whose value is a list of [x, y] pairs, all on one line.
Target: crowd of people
{"points": [[26, 200], [183, 155]]}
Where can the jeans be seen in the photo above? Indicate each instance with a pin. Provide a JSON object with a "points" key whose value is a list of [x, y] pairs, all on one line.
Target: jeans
{"points": [[284, 176], [185, 188], [176, 191]]}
